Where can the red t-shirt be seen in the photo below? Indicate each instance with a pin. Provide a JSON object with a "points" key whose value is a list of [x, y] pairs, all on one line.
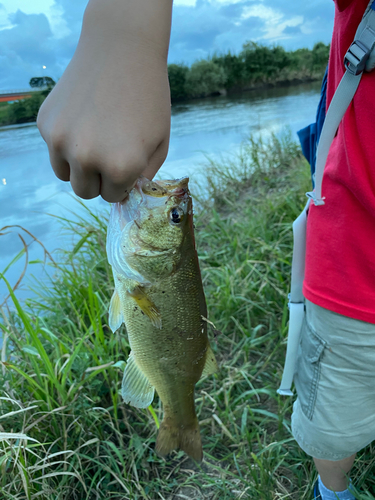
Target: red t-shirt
{"points": [[340, 255]]}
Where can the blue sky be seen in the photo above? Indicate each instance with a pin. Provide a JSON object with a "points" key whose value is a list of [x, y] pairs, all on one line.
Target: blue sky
{"points": [[38, 37]]}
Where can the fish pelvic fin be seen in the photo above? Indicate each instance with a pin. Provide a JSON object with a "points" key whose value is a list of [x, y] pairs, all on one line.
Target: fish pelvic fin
{"points": [[115, 317], [210, 366], [187, 438], [146, 305], [136, 388]]}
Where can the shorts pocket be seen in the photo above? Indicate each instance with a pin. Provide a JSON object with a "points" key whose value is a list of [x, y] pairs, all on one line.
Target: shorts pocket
{"points": [[310, 354]]}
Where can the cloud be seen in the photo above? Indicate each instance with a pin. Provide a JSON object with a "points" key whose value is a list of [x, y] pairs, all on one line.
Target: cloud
{"points": [[24, 48], [72, 13], [4, 22], [292, 30], [186, 3], [199, 29], [211, 26]]}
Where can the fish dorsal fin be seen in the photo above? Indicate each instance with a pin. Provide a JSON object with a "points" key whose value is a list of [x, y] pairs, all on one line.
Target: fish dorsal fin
{"points": [[116, 317], [136, 388], [211, 364]]}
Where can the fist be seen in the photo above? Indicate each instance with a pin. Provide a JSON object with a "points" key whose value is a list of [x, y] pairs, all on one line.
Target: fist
{"points": [[107, 121]]}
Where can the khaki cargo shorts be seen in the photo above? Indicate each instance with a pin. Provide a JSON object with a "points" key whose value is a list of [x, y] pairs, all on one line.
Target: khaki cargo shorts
{"points": [[334, 414]]}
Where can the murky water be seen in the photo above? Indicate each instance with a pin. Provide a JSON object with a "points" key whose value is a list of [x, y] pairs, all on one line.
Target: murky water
{"points": [[29, 191]]}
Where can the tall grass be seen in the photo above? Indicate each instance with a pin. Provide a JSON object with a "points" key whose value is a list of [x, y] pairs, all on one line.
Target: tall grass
{"points": [[65, 432]]}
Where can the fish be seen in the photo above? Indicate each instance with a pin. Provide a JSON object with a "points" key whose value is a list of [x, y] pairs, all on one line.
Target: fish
{"points": [[159, 296]]}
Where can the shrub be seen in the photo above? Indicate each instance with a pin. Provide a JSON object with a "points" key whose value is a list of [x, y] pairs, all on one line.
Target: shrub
{"points": [[205, 78], [177, 80], [25, 110], [233, 68], [320, 54]]}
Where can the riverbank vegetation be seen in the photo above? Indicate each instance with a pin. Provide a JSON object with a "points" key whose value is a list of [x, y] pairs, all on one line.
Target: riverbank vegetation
{"points": [[256, 66], [22, 111], [26, 110], [66, 434]]}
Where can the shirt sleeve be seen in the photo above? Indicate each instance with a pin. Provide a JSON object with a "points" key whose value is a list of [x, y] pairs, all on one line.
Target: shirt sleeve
{"points": [[343, 4]]}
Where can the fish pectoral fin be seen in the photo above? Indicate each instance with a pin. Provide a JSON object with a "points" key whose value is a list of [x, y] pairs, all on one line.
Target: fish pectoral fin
{"points": [[116, 317], [136, 388], [210, 366], [146, 305]]}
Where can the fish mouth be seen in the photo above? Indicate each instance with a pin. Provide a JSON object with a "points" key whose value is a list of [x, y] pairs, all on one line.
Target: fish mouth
{"points": [[151, 194], [145, 195], [178, 187]]}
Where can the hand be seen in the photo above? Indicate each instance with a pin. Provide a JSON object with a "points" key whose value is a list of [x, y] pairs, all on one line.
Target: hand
{"points": [[107, 121]]}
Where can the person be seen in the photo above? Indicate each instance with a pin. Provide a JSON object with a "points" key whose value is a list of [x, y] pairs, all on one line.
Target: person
{"points": [[107, 121], [334, 414]]}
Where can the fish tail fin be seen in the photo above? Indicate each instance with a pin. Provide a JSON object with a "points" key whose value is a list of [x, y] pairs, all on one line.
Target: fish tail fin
{"points": [[168, 439], [187, 438], [190, 441]]}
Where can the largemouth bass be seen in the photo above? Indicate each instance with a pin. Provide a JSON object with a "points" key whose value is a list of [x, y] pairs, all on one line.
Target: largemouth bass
{"points": [[159, 296]]}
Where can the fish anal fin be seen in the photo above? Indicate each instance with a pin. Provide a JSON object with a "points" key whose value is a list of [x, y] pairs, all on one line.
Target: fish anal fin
{"points": [[210, 366], [146, 305], [136, 389], [187, 438], [115, 316]]}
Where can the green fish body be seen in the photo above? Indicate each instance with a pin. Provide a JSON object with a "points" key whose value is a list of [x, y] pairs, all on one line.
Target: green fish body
{"points": [[159, 296]]}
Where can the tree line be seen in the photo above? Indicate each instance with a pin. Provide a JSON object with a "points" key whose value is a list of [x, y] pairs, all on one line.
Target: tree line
{"points": [[254, 67], [26, 110]]}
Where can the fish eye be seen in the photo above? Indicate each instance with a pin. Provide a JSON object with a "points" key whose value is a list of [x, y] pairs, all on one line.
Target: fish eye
{"points": [[176, 215]]}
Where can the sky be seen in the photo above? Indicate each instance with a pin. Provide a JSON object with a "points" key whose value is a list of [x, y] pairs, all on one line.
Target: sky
{"points": [[38, 37]]}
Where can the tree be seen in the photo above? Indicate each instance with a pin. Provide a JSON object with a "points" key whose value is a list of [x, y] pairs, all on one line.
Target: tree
{"points": [[264, 63], [42, 82], [205, 78], [233, 67], [320, 54], [25, 110], [177, 80]]}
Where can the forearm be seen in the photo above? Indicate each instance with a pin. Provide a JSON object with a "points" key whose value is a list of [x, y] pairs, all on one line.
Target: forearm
{"points": [[143, 25]]}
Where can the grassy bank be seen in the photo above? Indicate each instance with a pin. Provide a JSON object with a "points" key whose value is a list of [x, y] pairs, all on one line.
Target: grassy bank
{"points": [[71, 436]]}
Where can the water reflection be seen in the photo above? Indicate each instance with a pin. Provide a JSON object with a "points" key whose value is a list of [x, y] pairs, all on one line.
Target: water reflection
{"points": [[29, 189]]}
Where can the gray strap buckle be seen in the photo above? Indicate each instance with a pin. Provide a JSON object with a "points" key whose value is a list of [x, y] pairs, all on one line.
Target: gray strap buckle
{"points": [[356, 57]]}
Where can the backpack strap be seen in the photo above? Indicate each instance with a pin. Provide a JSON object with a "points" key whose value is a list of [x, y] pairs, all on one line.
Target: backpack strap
{"points": [[358, 58]]}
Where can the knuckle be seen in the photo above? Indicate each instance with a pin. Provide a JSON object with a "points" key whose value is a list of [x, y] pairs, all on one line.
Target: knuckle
{"points": [[85, 192], [61, 173], [122, 170], [117, 174], [111, 198], [82, 194], [58, 140], [85, 159]]}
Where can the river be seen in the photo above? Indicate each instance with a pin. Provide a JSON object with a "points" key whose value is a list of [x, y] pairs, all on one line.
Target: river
{"points": [[29, 191]]}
